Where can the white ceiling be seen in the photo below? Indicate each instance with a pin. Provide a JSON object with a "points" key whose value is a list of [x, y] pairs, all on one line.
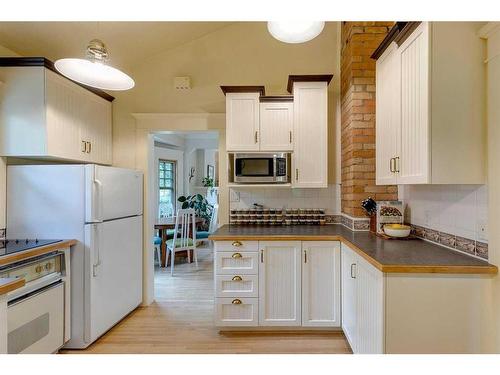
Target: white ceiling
{"points": [[128, 42]]}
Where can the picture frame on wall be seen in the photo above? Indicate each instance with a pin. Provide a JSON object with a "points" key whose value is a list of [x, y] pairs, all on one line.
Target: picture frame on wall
{"points": [[210, 171]]}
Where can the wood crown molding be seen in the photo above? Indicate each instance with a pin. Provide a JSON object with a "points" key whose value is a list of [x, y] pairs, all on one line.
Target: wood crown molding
{"points": [[239, 89], [307, 78], [42, 61], [398, 33], [281, 98]]}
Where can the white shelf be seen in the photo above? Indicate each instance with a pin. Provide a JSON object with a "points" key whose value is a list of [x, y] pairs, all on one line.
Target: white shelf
{"points": [[252, 186]]}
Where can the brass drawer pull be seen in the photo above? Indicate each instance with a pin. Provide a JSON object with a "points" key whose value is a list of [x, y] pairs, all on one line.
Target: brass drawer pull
{"points": [[237, 244], [237, 278], [236, 255], [236, 302]]}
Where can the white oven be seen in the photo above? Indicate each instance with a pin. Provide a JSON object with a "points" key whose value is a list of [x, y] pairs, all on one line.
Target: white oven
{"points": [[36, 313]]}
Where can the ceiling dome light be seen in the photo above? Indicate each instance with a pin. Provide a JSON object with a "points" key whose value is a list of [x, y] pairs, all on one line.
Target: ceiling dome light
{"points": [[295, 31], [93, 71]]}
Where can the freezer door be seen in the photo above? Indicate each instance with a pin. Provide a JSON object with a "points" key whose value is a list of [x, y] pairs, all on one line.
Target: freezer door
{"points": [[113, 273], [111, 193]]}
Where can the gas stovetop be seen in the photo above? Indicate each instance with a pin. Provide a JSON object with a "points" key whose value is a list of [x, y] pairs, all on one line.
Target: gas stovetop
{"points": [[8, 247]]}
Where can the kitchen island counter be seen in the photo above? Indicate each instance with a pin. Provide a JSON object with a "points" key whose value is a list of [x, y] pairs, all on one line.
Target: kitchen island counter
{"points": [[389, 256]]}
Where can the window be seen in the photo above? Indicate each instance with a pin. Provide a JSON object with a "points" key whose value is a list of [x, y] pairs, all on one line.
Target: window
{"points": [[166, 188]]}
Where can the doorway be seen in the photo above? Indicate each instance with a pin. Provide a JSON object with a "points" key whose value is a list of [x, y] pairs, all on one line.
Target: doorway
{"points": [[186, 166]]}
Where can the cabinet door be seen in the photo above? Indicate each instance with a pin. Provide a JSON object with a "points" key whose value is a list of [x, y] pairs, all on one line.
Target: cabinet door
{"points": [[414, 163], [349, 298], [388, 115], [242, 121], [66, 113], [280, 283], [276, 126], [321, 284], [98, 129], [370, 309], [310, 156]]}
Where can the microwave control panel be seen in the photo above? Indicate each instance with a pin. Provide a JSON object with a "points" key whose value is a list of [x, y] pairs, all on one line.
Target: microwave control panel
{"points": [[280, 167]]}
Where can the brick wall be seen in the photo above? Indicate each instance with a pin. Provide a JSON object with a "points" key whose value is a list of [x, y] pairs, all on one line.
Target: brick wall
{"points": [[359, 40]]}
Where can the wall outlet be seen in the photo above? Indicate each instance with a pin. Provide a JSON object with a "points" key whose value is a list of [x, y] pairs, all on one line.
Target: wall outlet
{"points": [[234, 196], [482, 230], [427, 218]]}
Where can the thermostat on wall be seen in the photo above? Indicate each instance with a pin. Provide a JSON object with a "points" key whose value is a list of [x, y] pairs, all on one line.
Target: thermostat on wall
{"points": [[182, 83]]}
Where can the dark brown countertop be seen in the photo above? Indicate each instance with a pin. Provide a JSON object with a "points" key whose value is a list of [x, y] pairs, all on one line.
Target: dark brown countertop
{"points": [[389, 256]]}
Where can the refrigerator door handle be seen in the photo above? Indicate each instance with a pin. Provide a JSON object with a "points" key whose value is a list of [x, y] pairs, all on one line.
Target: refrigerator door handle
{"points": [[98, 198], [97, 254]]}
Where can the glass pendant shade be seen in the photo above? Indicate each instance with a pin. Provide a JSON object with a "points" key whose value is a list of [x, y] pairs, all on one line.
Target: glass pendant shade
{"points": [[93, 71], [295, 31]]}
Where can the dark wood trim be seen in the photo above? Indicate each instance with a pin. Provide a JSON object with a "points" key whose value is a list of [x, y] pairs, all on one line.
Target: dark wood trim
{"points": [[238, 89], [308, 78], [42, 61], [406, 32], [389, 38], [281, 98]]}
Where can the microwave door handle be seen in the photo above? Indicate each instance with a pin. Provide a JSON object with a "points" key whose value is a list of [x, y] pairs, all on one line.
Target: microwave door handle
{"points": [[275, 172]]}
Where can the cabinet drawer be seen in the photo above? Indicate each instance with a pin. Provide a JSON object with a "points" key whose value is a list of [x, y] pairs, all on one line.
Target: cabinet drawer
{"points": [[237, 246], [235, 312], [236, 286], [236, 263]]}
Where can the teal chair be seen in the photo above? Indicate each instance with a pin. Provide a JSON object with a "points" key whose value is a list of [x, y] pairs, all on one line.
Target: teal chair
{"points": [[203, 235]]}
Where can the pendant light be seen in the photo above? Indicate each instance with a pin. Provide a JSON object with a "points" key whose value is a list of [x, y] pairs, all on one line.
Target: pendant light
{"points": [[93, 71], [295, 31]]}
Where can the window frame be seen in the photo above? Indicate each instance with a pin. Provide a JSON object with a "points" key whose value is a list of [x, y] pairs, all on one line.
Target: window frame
{"points": [[174, 182]]}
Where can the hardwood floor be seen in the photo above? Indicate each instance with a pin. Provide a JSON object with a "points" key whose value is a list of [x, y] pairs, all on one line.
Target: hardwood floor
{"points": [[181, 321]]}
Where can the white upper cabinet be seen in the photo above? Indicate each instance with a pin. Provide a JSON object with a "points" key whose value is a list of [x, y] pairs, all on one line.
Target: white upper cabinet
{"points": [[242, 121], [310, 123], [276, 126], [430, 118], [413, 167], [44, 115], [388, 114], [280, 283], [321, 284]]}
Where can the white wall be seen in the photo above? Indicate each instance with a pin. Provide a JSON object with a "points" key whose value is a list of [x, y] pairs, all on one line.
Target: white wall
{"points": [[461, 210]]}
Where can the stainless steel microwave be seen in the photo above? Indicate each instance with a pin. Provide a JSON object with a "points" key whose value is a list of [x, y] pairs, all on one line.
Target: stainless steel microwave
{"points": [[261, 168]]}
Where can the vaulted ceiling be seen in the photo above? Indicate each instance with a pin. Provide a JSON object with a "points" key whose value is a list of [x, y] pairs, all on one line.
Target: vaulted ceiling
{"points": [[128, 42]]}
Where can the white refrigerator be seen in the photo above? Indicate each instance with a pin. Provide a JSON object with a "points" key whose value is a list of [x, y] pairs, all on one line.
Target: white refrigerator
{"points": [[101, 207]]}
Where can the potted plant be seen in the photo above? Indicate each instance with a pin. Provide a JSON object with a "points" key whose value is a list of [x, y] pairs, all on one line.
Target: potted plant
{"points": [[201, 207]]}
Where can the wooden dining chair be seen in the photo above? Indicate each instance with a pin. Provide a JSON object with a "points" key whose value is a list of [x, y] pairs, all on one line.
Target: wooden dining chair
{"points": [[184, 236]]}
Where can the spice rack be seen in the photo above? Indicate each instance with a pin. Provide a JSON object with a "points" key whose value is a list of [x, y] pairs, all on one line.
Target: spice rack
{"points": [[278, 216]]}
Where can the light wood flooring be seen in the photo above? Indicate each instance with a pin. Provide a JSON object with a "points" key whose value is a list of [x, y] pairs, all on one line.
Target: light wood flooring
{"points": [[181, 321]]}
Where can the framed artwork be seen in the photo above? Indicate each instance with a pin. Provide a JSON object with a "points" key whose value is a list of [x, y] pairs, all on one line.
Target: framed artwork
{"points": [[210, 171]]}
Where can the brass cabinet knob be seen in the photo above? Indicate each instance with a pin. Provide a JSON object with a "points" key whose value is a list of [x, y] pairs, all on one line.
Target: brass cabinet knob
{"points": [[38, 269], [237, 278], [236, 255], [237, 244], [236, 302]]}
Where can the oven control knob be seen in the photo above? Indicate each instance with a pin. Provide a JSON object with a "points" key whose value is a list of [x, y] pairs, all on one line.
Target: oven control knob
{"points": [[48, 266], [38, 269]]}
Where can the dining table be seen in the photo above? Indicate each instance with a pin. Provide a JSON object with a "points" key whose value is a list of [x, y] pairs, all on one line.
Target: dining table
{"points": [[162, 225]]}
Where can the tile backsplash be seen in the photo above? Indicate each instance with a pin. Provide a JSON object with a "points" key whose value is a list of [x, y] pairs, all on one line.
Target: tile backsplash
{"points": [[276, 197], [453, 215]]}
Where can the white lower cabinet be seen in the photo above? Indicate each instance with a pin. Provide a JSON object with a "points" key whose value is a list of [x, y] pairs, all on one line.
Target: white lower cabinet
{"points": [[362, 304], [280, 283], [237, 312], [277, 283], [321, 284]]}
